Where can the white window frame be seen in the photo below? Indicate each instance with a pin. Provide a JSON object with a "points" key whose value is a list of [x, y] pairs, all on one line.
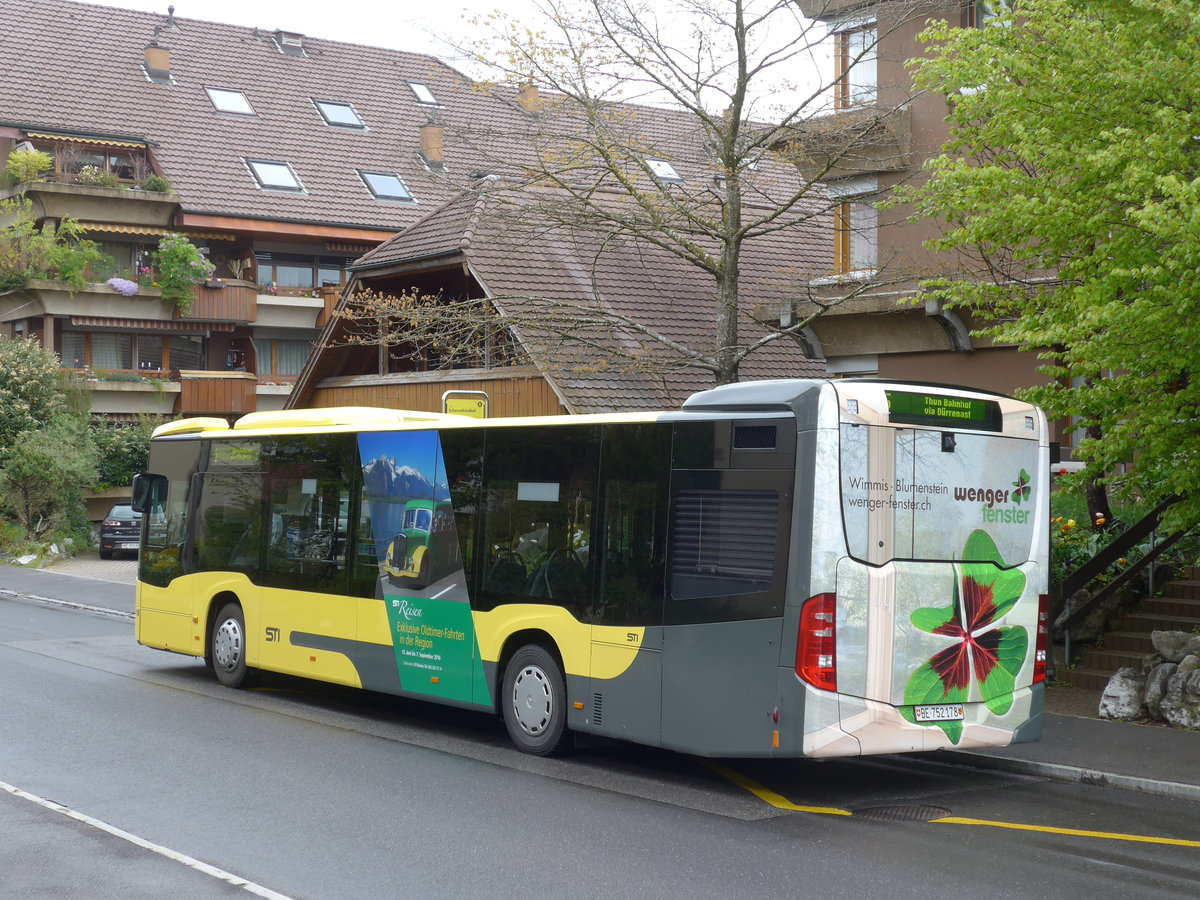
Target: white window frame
{"points": [[423, 94], [358, 124], [297, 187], [664, 171], [249, 108], [364, 175]]}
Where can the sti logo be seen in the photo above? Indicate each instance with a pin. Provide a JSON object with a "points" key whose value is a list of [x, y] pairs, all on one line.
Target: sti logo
{"points": [[272, 635]]}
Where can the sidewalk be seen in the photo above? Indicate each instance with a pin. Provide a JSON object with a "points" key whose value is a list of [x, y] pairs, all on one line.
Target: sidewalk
{"points": [[1076, 744]]}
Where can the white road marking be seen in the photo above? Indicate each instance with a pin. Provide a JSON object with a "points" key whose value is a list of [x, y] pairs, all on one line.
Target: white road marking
{"points": [[71, 604], [178, 857]]}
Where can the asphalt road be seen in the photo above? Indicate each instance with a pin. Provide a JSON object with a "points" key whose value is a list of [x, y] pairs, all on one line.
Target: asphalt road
{"points": [[307, 790]]}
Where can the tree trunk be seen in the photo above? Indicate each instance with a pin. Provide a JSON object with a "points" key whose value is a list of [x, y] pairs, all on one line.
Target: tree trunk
{"points": [[1097, 493]]}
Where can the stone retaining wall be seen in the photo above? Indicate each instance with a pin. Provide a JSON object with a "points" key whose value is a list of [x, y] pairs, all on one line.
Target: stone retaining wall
{"points": [[1166, 689]]}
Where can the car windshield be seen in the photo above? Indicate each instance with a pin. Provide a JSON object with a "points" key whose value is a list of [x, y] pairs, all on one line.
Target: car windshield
{"points": [[123, 512]]}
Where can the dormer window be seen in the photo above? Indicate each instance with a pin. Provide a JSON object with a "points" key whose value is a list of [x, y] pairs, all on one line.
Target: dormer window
{"points": [[664, 171], [424, 95], [230, 101], [342, 115], [274, 176], [290, 43], [386, 186]]}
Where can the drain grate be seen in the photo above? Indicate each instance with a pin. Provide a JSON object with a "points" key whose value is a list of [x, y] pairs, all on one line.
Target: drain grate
{"points": [[902, 813]]}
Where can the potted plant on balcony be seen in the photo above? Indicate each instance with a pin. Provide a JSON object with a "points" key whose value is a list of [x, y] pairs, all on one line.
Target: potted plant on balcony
{"points": [[180, 265]]}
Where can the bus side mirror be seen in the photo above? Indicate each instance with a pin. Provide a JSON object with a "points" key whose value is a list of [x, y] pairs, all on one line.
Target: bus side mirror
{"points": [[148, 491]]}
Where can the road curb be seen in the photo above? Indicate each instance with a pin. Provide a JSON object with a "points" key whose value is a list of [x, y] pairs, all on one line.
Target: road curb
{"points": [[1075, 774]]}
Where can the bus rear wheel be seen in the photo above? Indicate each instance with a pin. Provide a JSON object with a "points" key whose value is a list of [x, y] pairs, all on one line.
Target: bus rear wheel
{"points": [[227, 648], [534, 702]]}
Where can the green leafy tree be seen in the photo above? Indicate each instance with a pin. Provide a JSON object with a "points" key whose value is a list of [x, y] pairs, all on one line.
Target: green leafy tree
{"points": [[29, 389], [1070, 187], [45, 475], [30, 251]]}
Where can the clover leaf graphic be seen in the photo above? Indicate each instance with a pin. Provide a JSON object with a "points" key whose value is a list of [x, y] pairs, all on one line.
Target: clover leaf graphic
{"points": [[1023, 488], [977, 651]]}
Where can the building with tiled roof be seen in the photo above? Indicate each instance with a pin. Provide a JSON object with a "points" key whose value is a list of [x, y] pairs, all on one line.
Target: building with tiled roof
{"points": [[479, 246], [287, 157]]}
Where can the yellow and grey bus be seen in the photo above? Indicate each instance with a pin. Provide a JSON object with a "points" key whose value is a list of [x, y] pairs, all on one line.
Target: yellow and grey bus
{"points": [[779, 568]]}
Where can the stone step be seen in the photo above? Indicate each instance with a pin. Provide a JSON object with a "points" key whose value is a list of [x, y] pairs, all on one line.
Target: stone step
{"points": [[1109, 660], [1092, 679], [1148, 622], [1173, 606], [1129, 641]]}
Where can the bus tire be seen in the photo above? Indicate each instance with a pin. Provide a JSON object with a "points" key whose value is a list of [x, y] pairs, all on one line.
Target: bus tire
{"points": [[227, 648], [534, 702]]}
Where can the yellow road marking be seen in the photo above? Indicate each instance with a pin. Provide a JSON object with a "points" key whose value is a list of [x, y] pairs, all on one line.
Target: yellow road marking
{"points": [[769, 796], [780, 802], [1077, 832]]}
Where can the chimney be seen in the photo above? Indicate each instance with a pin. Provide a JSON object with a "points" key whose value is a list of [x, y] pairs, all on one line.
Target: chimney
{"points": [[432, 144], [529, 99], [157, 59]]}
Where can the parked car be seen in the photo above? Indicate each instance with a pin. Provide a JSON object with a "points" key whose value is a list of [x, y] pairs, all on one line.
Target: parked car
{"points": [[120, 530]]}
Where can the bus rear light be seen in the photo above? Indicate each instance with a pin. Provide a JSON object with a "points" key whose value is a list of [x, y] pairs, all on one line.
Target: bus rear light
{"points": [[1040, 644], [816, 643]]}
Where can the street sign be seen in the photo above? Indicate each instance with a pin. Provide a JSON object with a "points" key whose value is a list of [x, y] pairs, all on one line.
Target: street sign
{"points": [[466, 403]]}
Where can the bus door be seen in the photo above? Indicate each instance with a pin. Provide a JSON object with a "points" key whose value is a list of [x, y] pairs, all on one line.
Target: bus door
{"points": [[937, 601], [309, 624], [627, 610], [731, 493]]}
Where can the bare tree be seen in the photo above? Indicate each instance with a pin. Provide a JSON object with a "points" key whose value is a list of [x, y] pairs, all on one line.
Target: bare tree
{"points": [[694, 130]]}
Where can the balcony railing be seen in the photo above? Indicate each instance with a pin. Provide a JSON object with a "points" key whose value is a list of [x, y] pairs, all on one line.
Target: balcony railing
{"points": [[223, 301]]}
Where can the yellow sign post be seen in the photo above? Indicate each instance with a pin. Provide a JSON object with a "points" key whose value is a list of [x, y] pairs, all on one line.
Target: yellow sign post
{"points": [[466, 403]]}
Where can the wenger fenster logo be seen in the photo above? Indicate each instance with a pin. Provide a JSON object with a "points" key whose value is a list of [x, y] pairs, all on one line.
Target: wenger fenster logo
{"points": [[1000, 505]]}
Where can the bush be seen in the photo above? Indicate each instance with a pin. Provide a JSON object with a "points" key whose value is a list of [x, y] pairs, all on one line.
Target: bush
{"points": [[28, 165], [180, 265], [157, 183], [29, 389], [123, 449], [29, 251], [45, 475], [96, 177]]}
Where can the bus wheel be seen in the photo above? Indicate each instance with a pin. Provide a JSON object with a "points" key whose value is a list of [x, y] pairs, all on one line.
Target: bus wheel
{"points": [[227, 649], [534, 702]]}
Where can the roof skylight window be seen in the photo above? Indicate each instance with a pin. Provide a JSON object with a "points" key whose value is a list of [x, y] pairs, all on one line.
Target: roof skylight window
{"points": [[230, 101], [275, 176], [664, 171], [385, 186], [342, 115], [424, 94]]}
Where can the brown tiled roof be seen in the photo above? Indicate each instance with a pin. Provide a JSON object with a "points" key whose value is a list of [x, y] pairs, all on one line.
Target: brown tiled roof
{"points": [[516, 257], [75, 66]]}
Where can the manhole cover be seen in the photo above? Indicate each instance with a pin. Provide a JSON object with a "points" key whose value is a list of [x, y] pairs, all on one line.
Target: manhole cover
{"points": [[902, 813]]}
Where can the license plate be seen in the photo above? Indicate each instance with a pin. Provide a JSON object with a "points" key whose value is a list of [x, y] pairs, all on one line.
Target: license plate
{"points": [[947, 713], [127, 546]]}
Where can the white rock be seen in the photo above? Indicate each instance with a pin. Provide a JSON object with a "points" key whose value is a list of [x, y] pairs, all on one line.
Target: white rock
{"points": [[1122, 698], [26, 559], [1181, 702]]}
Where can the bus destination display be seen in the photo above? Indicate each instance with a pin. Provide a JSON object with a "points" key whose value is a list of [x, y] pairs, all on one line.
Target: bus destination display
{"points": [[942, 411]]}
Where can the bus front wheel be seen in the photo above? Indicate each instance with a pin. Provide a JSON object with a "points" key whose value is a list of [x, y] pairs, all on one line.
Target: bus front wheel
{"points": [[534, 701], [227, 648]]}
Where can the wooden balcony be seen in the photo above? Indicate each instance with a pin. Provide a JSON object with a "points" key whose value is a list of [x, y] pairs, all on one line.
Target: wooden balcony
{"points": [[223, 301], [216, 393]]}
